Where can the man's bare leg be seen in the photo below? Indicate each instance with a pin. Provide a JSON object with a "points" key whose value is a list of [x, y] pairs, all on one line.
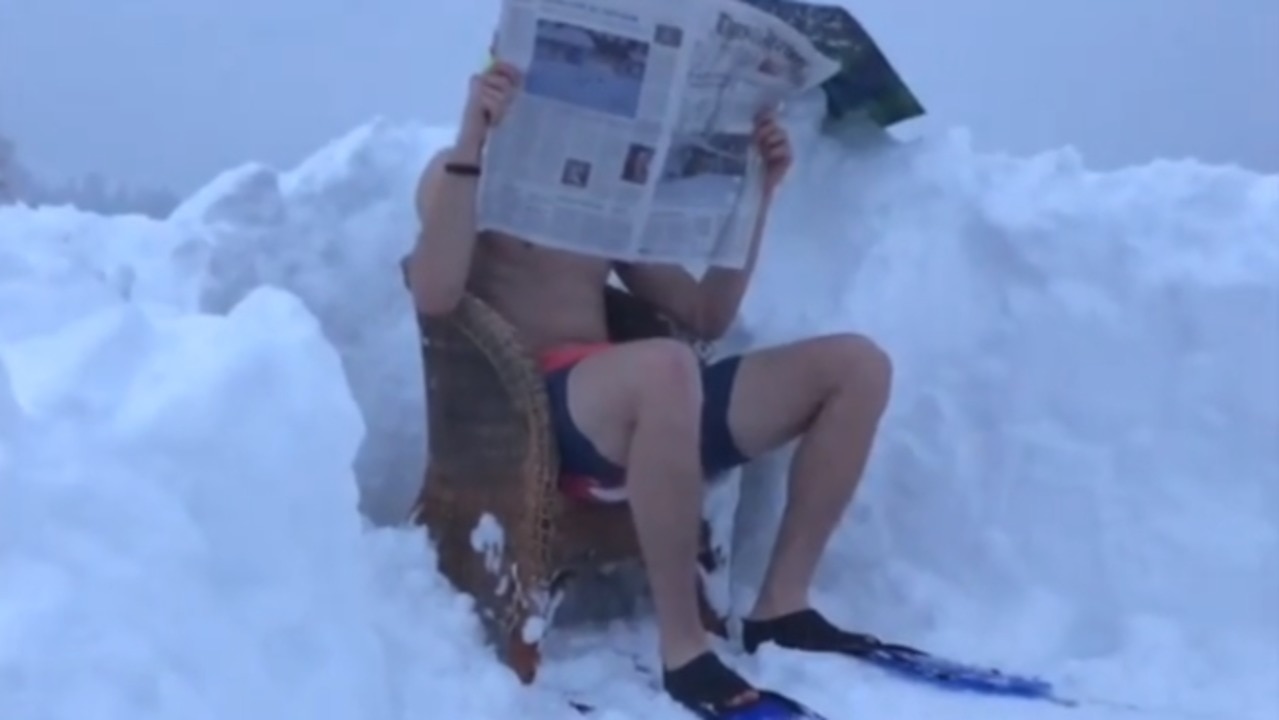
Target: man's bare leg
{"points": [[640, 405], [830, 392]]}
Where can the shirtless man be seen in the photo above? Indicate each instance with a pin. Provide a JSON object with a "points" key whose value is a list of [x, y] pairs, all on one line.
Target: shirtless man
{"points": [[648, 414]]}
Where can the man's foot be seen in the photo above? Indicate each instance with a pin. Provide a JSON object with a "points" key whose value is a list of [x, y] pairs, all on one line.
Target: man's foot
{"points": [[803, 630], [708, 687], [711, 690]]}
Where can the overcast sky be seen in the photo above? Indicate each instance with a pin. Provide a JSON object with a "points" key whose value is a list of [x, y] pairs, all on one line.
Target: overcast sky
{"points": [[172, 91]]}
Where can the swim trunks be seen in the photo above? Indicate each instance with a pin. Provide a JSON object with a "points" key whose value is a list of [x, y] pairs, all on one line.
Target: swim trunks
{"points": [[585, 474]]}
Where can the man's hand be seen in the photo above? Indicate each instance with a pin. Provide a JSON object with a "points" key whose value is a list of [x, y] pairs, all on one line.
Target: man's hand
{"points": [[774, 146], [489, 97]]}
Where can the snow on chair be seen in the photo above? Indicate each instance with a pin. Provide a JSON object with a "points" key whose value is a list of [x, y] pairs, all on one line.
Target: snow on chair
{"points": [[503, 531]]}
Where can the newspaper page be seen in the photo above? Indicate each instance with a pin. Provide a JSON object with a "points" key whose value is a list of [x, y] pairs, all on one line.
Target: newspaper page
{"points": [[706, 201], [615, 147]]}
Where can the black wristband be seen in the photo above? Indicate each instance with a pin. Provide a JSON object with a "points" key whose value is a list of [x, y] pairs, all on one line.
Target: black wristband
{"points": [[457, 168]]}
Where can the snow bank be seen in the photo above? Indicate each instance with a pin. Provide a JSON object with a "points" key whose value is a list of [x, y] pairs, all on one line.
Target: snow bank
{"points": [[1082, 449], [333, 231], [1080, 454], [179, 525]]}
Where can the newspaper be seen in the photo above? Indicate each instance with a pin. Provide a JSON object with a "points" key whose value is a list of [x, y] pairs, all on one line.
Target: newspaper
{"points": [[632, 136]]}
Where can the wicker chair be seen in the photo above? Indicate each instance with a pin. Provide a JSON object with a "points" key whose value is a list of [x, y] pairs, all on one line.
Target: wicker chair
{"points": [[504, 534]]}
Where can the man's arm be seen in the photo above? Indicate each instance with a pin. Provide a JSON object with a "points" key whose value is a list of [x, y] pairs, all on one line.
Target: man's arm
{"points": [[707, 307], [441, 259]]}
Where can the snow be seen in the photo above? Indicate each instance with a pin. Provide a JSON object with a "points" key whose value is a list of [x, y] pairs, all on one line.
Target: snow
{"points": [[489, 538], [211, 428]]}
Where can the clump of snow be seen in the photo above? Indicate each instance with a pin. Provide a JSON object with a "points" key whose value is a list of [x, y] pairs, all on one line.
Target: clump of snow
{"points": [[534, 629], [489, 540], [211, 428]]}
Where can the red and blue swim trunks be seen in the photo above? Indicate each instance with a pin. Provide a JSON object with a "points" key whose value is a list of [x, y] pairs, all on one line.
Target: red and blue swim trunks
{"points": [[587, 475]]}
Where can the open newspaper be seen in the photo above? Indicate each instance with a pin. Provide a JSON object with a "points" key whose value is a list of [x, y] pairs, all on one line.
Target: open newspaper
{"points": [[632, 135]]}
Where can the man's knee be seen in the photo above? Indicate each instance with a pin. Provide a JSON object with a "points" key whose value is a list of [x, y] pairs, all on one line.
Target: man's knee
{"points": [[610, 394], [665, 374], [856, 363]]}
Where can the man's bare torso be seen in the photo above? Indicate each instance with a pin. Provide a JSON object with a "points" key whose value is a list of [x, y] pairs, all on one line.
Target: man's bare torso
{"points": [[552, 297]]}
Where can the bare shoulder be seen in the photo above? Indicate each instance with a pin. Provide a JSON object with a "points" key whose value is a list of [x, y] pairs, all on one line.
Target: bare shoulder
{"points": [[427, 182]]}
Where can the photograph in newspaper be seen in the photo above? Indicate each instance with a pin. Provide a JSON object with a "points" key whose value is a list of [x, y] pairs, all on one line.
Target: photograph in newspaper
{"points": [[704, 170], [671, 36], [639, 159], [575, 173], [587, 68]]}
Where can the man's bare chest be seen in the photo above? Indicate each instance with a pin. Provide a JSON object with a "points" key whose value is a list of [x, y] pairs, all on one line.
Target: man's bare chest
{"points": [[514, 260]]}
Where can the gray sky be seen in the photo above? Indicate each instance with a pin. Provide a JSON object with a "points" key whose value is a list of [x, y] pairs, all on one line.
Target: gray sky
{"points": [[172, 91]]}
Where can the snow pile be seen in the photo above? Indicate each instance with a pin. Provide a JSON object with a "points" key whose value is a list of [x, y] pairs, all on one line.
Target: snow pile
{"points": [[179, 534], [1081, 451], [1080, 454], [333, 232]]}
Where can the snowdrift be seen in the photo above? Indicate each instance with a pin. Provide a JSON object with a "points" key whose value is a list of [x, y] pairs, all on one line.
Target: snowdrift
{"points": [[211, 426]]}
